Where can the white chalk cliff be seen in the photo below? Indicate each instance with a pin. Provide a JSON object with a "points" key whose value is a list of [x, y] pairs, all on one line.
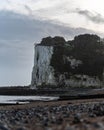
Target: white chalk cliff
{"points": [[45, 73]]}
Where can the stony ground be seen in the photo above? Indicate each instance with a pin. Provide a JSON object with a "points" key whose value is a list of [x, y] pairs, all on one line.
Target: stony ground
{"points": [[58, 115]]}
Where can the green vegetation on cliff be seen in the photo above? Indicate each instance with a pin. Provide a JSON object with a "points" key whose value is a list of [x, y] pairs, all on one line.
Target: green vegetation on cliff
{"points": [[87, 48]]}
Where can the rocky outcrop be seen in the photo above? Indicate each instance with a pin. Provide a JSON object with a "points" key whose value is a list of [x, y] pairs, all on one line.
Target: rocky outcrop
{"points": [[76, 63]]}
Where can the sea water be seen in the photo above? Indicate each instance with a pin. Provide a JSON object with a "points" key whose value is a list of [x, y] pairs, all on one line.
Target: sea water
{"points": [[24, 99]]}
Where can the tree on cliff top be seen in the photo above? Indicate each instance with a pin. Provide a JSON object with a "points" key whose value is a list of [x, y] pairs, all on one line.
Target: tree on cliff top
{"points": [[89, 49], [53, 41], [87, 45]]}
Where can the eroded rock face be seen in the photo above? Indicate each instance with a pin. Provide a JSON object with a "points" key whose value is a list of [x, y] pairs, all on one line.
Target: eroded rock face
{"points": [[43, 73], [60, 63]]}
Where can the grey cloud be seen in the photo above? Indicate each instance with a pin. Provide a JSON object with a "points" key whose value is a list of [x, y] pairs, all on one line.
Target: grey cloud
{"points": [[96, 18], [20, 27], [28, 9]]}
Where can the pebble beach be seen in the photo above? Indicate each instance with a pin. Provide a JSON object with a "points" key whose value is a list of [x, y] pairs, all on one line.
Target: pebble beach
{"points": [[54, 115]]}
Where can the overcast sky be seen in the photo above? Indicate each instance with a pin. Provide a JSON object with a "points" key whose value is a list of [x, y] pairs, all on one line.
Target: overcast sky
{"points": [[25, 22]]}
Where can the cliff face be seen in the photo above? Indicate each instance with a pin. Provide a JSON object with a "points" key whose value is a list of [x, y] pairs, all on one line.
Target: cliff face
{"points": [[59, 63], [43, 73]]}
